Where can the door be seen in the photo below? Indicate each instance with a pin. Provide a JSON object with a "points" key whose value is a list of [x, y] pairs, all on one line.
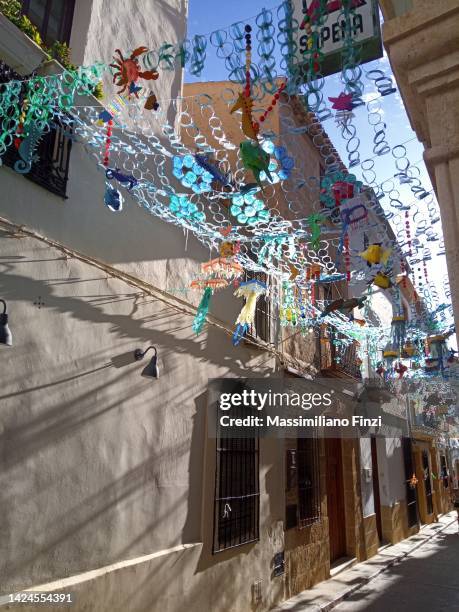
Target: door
{"points": [[335, 499], [377, 500], [410, 487], [427, 481]]}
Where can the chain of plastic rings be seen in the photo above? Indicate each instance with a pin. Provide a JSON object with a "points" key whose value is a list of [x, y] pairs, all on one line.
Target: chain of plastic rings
{"points": [[148, 157]]}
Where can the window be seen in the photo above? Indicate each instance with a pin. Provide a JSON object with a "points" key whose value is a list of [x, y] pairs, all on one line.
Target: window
{"points": [[427, 481], [261, 329], [237, 491], [308, 482], [53, 18], [51, 168], [303, 484]]}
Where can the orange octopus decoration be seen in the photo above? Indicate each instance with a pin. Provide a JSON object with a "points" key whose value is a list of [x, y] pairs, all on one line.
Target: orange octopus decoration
{"points": [[128, 71]]}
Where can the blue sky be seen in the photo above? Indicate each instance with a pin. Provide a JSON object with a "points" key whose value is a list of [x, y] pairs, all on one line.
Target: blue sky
{"points": [[204, 18]]}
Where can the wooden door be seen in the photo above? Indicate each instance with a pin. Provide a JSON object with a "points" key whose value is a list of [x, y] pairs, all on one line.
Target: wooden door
{"points": [[376, 497], [335, 499]]}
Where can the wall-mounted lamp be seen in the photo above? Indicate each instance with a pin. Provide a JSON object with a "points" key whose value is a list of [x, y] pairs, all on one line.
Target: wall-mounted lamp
{"points": [[5, 333], [151, 370]]}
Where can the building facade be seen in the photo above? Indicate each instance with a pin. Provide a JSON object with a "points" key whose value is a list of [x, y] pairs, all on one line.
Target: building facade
{"points": [[111, 487]]}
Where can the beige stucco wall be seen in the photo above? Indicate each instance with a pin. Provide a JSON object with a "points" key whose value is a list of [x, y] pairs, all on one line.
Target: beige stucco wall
{"points": [[423, 49]]}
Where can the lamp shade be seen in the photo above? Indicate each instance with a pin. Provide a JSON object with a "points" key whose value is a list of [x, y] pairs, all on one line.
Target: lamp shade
{"points": [[152, 369], [6, 336]]}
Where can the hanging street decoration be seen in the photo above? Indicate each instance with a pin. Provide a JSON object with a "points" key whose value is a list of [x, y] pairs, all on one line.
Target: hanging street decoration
{"points": [[247, 197]]}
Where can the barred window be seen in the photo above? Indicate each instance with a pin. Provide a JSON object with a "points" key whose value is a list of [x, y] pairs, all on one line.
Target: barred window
{"points": [[308, 481], [50, 167], [303, 484], [237, 491], [261, 328]]}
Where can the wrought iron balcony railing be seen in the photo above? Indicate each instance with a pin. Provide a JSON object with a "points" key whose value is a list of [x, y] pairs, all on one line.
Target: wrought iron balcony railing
{"points": [[50, 167], [337, 356]]}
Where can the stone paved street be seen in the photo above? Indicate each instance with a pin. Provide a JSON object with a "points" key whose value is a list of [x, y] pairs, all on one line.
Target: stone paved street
{"points": [[427, 579], [419, 573]]}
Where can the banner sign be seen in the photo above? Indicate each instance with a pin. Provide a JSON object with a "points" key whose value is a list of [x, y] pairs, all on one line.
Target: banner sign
{"points": [[366, 31]]}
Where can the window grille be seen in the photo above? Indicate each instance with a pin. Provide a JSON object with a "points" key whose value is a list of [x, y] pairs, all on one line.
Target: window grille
{"points": [[411, 499], [237, 490], [261, 328], [308, 481], [53, 18], [51, 170]]}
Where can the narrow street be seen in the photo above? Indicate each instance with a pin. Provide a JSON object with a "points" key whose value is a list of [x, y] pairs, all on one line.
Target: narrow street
{"points": [[419, 573], [427, 579]]}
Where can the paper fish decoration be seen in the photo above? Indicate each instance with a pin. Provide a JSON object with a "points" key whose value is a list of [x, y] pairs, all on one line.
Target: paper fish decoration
{"points": [[255, 159], [343, 102], [375, 254], [382, 280]]}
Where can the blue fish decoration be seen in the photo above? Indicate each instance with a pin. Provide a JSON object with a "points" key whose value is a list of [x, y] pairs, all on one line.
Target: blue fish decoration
{"points": [[113, 199], [127, 180], [203, 161]]}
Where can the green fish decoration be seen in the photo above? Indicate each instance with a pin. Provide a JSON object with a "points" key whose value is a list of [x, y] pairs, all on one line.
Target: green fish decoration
{"points": [[255, 159]]}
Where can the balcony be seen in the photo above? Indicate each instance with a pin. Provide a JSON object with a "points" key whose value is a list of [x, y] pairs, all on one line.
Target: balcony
{"points": [[50, 168], [338, 360]]}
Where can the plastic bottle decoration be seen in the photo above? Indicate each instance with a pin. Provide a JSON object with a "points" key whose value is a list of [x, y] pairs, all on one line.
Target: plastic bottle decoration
{"points": [[398, 332], [289, 314], [381, 280], [352, 213], [343, 102], [244, 101], [390, 355], [113, 199], [255, 159], [314, 222], [273, 102], [251, 291], [401, 369], [112, 110], [375, 254], [203, 309], [191, 174], [204, 162], [284, 161], [184, 209], [126, 179], [222, 267], [248, 209]]}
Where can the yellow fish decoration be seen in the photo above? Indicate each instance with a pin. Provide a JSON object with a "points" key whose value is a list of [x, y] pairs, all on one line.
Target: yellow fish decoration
{"points": [[382, 280], [375, 254]]}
